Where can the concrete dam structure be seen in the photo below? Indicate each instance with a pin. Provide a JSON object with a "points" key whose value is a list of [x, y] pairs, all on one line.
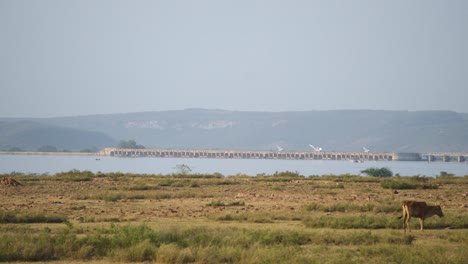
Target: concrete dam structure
{"points": [[288, 155]]}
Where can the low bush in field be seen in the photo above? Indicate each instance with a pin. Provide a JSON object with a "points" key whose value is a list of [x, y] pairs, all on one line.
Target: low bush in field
{"points": [[232, 217], [74, 175], [353, 222], [450, 179], [415, 182], [378, 172], [350, 207], [220, 203], [143, 187], [261, 217], [26, 247], [279, 176], [110, 197], [29, 217], [347, 178], [397, 184], [197, 176]]}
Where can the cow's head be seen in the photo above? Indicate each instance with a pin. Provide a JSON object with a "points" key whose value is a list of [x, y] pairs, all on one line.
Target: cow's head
{"points": [[438, 211]]}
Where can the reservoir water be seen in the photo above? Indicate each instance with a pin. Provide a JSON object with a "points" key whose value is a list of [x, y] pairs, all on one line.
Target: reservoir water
{"points": [[42, 164]]}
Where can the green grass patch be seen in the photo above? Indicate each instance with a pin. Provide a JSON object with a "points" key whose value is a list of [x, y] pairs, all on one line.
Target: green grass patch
{"points": [[398, 184], [143, 187], [351, 207], [415, 182], [353, 222], [201, 244], [29, 217]]}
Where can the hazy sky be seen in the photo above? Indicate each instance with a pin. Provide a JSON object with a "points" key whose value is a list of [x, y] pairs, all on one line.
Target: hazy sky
{"points": [[61, 58]]}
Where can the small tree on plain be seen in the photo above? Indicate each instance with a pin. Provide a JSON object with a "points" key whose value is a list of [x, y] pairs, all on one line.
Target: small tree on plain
{"points": [[378, 172], [183, 169]]}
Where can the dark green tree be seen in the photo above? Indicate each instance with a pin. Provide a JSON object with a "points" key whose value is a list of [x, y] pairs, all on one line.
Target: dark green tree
{"points": [[378, 172], [129, 144]]}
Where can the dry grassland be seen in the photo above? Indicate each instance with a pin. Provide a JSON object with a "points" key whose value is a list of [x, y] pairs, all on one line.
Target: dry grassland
{"points": [[262, 219]]}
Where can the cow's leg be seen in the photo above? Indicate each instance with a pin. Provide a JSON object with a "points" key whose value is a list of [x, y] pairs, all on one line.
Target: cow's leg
{"points": [[421, 223], [404, 218], [408, 222]]}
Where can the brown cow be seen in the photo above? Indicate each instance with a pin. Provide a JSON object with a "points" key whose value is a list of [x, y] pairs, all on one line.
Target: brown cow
{"points": [[419, 210]]}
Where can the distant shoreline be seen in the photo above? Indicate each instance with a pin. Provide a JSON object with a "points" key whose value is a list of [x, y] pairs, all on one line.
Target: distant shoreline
{"points": [[30, 153]]}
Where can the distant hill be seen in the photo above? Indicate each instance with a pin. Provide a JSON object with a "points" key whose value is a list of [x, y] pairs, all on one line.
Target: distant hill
{"points": [[32, 135], [344, 130]]}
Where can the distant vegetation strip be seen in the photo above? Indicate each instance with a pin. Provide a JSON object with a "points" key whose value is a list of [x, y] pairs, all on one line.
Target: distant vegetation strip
{"points": [[29, 217], [57, 153], [387, 181]]}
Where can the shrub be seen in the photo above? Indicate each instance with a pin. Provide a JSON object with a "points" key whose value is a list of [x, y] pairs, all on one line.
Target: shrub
{"points": [[230, 217], [194, 184], [168, 253], [29, 217], [409, 183], [140, 252], [216, 203], [110, 197], [282, 176], [378, 172], [220, 203], [450, 179], [279, 237], [397, 184], [405, 240], [142, 187], [26, 247], [288, 174], [312, 207], [74, 175]]}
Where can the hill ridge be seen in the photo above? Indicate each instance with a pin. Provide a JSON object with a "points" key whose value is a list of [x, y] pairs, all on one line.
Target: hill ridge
{"points": [[198, 128]]}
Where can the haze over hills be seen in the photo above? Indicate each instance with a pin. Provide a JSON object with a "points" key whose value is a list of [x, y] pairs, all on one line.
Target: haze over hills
{"points": [[338, 130]]}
